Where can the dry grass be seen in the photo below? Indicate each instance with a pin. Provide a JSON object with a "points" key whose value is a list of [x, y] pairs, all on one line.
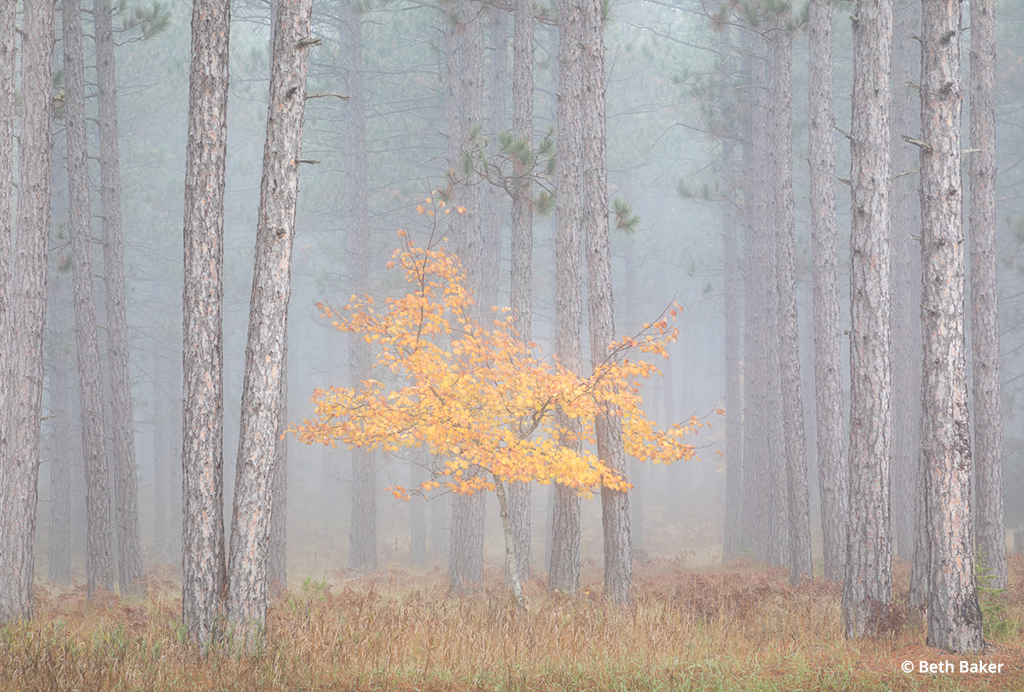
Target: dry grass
{"points": [[738, 629]]}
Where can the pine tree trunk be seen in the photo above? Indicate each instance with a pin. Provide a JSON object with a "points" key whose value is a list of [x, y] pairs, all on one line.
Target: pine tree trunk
{"points": [[362, 551], [99, 561], [8, 13], [204, 577], [264, 387], [828, 376], [521, 298], [564, 571], [798, 495], [867, 589], [19, 458], [954, 617], [986, 390], [277, 560], [131, 564], [59, 357], [464, 89], [494, 202]]}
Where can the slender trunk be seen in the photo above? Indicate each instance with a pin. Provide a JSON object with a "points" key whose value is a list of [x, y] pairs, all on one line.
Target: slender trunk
{"points": [[131, 566], [798, 495], [362, 552], [521, 299], [988, 424], [266, 351], [954, 617], [204, 577], [511, 564], [867, 589], [99, 561], [59, 357], [564, 571], [19, 459], [828, 377], [464, 88]]}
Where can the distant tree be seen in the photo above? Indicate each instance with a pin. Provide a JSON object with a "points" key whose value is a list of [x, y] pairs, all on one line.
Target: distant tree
{"points": [[59, 358], [986, 386], [464, 92], [204, 577], [100, 561], [23, 378], [362, 551], [131, 565], [475, 397], [264, 387], [954, 616], [867, 588], [828, 375], [564, 569]]}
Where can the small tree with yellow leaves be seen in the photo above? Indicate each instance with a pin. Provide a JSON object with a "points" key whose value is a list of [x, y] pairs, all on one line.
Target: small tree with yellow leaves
{"points": [[479, 398]]}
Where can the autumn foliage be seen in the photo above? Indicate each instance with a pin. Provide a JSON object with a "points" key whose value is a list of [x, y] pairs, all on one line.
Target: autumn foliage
{"points": [[478, 398]]}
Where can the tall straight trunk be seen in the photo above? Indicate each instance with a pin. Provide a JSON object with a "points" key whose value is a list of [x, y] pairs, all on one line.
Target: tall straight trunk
{"points": [[867, 589], [521, 298], [464, 89], [734, 509], [564, 570], [798, 495], [828, 376], [264, 387], [19, 459], [494, 197], [99, 561], [362, 551], [905, 285], [618, 557], [59, 376], [954, 617], [752, 531], [986, 389], [204, 577], [277, 560], [8, 12], [131, 566]]}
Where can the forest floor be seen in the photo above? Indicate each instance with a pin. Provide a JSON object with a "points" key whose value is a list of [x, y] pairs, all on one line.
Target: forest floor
{"points": [[740, 628]]}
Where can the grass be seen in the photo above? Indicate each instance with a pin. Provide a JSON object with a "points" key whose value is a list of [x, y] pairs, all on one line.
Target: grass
{"points": [[743, 628]]}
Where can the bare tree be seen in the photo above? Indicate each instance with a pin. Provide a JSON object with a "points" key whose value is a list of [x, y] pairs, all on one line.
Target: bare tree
{"points": [[204, 577], [954, 617], [23, 377], [867, 589], [986, 390], [362, 551], [99, 562], [828, 376], [266, 351], [131, 566]]}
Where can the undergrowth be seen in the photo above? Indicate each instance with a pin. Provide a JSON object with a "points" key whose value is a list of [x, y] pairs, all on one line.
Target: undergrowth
{"points": [[743, 628]]}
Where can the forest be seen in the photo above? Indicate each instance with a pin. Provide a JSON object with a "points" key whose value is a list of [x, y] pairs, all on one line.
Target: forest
{"points": [[511, 344]]}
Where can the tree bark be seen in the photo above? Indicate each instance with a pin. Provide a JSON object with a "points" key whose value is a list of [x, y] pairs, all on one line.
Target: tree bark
{"points": [[277, 560], [867, 589], [464, 88], [204, 577], [798, 496], [564, 570], [986, 390], [521, 298], [99, 561], [19, 463], [131, 565], [264, 387], [828, 376], [494, 204], [8, 13], [954, 617], [511, 564], [362, 551]]}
